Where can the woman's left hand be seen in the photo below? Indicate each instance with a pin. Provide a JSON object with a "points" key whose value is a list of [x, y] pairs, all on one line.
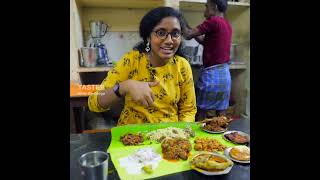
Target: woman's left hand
{"points": [[139, 91]]}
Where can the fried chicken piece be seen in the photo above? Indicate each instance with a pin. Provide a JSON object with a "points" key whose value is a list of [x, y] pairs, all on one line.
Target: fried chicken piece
{"points": [[183, 155], [170, 153], [207, 144], [216, 124], [198, 146], [173, 149]]}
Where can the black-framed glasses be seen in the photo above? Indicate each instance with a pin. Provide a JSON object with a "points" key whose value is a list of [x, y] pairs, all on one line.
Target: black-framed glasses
{"points": [[162, 34]]}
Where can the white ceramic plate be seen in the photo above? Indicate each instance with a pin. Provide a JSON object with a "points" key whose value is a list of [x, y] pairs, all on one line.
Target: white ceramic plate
{"points": [[211, 173], [240, 132], [227, 153], [213, 132]]}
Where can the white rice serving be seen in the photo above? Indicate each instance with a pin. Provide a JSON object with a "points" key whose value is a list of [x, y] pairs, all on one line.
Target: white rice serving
{"points": [[167, 133]]}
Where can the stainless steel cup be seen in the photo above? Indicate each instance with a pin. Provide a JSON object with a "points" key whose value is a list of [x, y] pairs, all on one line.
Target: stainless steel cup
{"points": [[234, 52], [89, 56], [94, 165]]}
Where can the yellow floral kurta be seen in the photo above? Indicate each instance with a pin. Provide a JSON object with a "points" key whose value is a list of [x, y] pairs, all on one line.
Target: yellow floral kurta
{"points": [[174, 97]]}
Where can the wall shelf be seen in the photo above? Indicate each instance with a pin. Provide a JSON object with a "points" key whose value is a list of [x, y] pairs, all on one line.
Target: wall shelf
{"points": [[238, 66], [199, 5], [121, 3]]}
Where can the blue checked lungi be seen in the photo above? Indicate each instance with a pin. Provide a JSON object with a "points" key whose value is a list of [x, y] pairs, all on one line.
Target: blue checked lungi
{"points": [[213, 87]]}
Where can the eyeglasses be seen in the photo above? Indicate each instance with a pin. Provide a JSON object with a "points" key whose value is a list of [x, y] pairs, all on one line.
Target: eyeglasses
{"points": [[162, 34]]}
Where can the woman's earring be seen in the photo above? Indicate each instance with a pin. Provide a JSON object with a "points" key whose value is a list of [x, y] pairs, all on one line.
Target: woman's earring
{"points": [[147, 47]]}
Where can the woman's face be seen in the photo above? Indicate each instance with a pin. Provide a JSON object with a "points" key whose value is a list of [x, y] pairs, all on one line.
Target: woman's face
{"points": [[164, 45]]}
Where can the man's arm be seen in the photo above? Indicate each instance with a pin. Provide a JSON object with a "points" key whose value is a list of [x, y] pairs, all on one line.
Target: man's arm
{"points": [[200, 39], [190, 33]]}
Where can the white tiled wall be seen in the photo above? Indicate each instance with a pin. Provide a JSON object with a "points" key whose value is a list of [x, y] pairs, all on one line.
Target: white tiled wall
{"points": [[118, 43]]}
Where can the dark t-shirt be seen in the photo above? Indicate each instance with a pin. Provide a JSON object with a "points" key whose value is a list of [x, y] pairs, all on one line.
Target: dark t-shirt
{"points": [[217, 41]]}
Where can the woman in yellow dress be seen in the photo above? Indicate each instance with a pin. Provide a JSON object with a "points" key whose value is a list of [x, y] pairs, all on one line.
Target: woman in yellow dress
{"points": [[155, 79]]}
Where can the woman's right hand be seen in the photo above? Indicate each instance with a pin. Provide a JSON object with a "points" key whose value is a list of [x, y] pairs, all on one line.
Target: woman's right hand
{"points": [[139, 91]]}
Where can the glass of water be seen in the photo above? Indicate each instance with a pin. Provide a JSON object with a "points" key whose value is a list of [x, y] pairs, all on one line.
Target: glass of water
{"points": [[94, 165]]}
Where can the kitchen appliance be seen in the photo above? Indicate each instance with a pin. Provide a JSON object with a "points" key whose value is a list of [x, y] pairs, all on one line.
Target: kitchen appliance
{"points": [[195, 60], [191, 53], [234, 52], [191, 50], [97, 30], [89, 56]]}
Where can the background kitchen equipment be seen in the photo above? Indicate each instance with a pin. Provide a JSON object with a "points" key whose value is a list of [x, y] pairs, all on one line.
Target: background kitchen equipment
{"points": [[97, 30], [88, 56], [236, 53], [195, 60], [191, 50], [233, 52], [191, 53]]}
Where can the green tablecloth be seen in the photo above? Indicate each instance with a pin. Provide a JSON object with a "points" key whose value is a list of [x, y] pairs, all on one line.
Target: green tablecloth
{"points": [[117, 150]]}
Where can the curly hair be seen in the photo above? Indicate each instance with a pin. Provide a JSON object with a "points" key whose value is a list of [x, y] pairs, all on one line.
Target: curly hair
{"points": [[152, 19]]}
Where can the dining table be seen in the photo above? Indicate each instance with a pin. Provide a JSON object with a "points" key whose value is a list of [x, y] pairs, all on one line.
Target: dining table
{"points": [[82, 143]]}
